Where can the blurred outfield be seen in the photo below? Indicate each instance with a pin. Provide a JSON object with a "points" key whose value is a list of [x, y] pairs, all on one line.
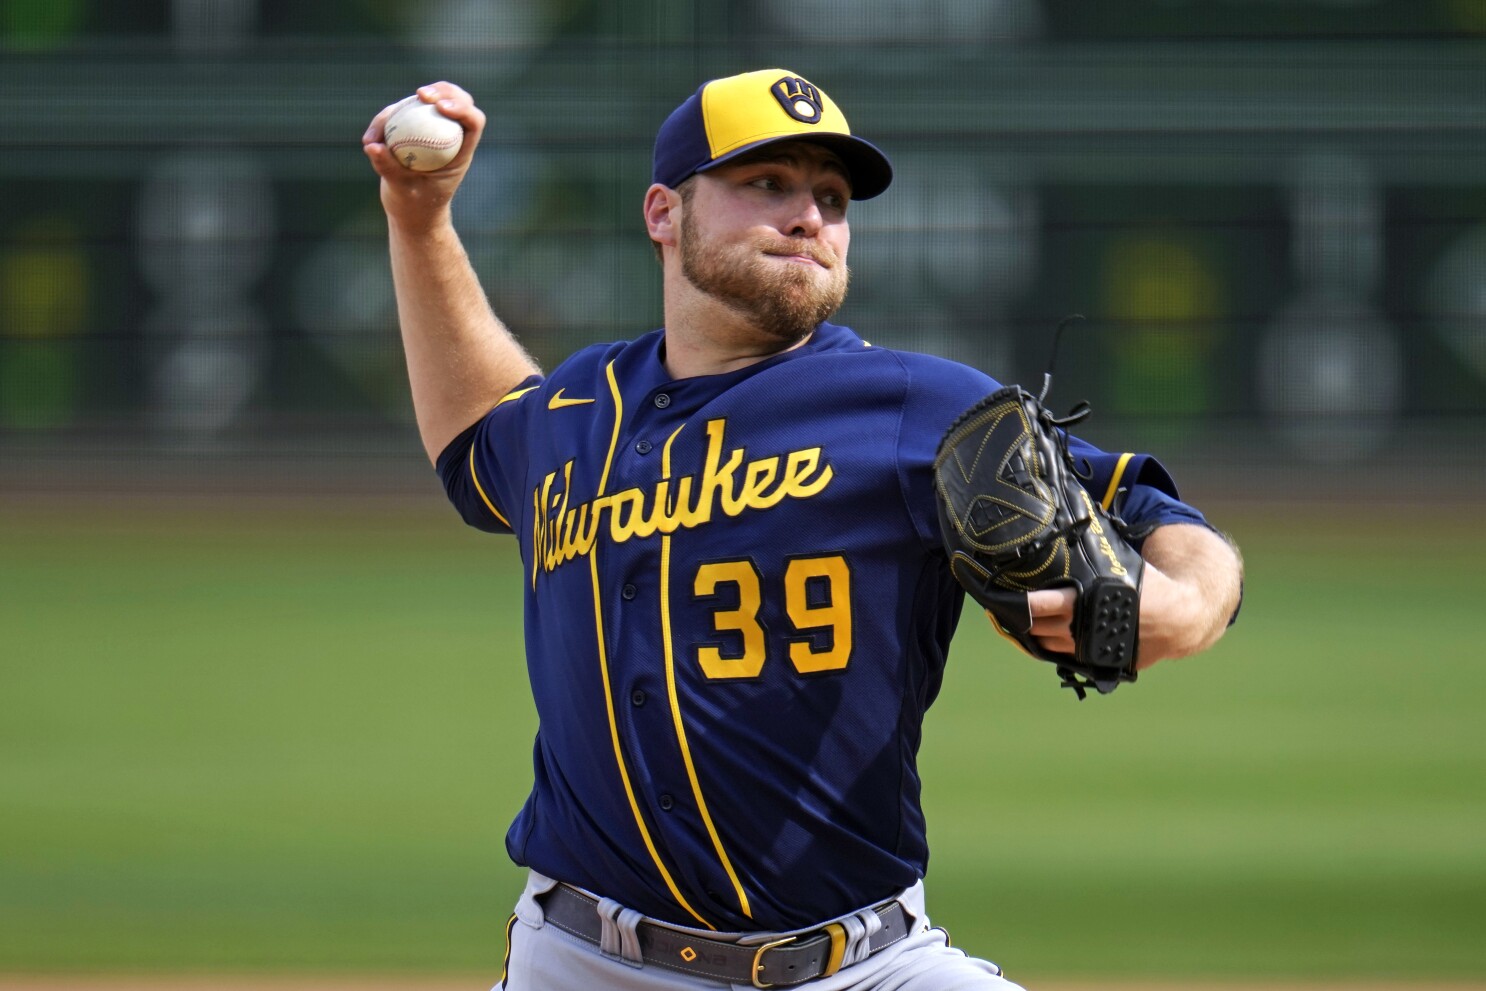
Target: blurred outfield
{"points": [[239, 738]]}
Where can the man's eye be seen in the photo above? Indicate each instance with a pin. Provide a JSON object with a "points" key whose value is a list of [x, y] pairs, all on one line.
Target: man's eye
{"points": [[767, 182]]}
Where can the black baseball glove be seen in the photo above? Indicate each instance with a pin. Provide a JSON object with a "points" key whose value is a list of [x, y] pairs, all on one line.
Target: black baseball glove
{"points": [[1015, 518]]}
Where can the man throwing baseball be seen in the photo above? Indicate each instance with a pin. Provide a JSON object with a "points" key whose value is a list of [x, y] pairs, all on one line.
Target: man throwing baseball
{"points": [[738, 595]]}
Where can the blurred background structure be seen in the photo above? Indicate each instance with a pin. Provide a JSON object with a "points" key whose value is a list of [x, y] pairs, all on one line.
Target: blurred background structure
{"points": [[247, 728], [1274, 215]]}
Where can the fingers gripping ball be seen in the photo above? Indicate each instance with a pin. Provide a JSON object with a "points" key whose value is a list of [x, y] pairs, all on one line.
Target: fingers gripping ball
{"points": [[1015, 518], [420, 137]]}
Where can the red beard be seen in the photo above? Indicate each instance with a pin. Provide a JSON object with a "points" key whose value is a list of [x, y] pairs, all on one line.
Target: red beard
{"points": [[784, 300]]}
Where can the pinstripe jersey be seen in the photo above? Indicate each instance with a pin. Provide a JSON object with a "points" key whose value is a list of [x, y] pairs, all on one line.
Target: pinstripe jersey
{"points": [[737, 610]]}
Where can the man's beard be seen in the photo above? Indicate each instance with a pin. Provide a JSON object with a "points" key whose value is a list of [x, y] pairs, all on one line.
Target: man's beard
{"points": [[783, 300]]}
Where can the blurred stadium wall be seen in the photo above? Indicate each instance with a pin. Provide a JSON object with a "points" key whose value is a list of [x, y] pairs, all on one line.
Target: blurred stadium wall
{"points": [[1273, 213]]}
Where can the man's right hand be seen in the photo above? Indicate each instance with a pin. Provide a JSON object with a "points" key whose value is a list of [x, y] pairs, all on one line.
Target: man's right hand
{"points": [[461, 358], [419, 201]]}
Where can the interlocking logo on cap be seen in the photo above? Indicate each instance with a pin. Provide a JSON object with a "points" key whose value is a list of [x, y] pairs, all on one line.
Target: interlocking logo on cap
{"points": [[800, 99]]}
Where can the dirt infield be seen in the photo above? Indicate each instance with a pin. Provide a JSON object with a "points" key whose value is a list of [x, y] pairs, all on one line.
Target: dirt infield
{"points": [[140, 982]]}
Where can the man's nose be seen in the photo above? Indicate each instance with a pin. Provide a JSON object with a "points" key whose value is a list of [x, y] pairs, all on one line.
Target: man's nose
{"points": [[805, 219]]}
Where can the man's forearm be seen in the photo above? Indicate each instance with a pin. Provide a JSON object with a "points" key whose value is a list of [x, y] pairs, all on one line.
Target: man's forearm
{"points": [[461, 359], [1191, 591]]}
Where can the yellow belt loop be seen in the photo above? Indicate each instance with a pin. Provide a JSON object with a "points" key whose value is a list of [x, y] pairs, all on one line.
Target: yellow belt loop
{"points": [[838, 948]]}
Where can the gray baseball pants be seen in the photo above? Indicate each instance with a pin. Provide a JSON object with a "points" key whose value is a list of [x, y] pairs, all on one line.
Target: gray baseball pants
{"points": [[540, 957]]}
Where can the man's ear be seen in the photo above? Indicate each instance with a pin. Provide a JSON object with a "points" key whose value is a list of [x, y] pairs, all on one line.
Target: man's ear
{"points": [[663, 213]]}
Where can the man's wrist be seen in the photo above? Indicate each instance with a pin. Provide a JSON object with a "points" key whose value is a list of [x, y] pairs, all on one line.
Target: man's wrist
{"points": [[417, 216]]}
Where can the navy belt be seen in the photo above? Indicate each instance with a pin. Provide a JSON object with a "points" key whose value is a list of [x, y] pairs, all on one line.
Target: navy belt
{"points": [[781, 962]]}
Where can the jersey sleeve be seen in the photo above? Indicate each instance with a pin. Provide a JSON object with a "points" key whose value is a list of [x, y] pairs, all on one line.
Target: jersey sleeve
{"points": [[483, 467], [1135, 487]]}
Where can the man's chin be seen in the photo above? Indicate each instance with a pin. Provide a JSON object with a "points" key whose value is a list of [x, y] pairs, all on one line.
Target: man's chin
{"points": [[784, 298], [791, 323]]}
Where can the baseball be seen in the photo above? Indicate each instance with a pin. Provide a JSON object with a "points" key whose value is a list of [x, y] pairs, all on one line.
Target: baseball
{"points": [[420, 137]]}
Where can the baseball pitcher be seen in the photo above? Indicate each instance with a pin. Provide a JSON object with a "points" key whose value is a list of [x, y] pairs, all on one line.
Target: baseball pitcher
{"points": [[746, 540]]}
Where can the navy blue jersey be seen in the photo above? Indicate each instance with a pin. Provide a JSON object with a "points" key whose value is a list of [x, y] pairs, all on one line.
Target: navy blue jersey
{"points": [[737, 612]]}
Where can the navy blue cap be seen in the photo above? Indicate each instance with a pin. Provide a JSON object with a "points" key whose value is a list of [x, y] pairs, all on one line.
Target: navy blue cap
{"points": [[729, 117]]}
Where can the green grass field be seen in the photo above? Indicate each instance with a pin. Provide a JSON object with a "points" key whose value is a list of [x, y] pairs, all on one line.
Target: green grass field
{"points": [[290, 739]]}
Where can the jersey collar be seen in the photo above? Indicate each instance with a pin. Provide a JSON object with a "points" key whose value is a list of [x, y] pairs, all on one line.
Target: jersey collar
{"points": [[825, 337]]}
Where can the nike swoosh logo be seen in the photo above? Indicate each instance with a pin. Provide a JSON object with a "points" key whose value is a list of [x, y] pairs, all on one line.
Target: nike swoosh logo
{"points": [[557, 402]]}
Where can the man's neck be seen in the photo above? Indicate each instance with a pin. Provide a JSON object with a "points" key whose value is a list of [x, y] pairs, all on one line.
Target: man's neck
{"points": [[689, 355], [707, 337]]}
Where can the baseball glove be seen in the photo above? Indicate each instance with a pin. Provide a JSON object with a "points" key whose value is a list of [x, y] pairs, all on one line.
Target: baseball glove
{"points": [[1015, 518]]}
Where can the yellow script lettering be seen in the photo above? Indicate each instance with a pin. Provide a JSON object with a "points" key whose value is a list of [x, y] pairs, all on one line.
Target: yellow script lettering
{"points": [[561, 532]]}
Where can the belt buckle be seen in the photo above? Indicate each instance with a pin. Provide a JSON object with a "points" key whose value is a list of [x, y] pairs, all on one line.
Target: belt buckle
{"points": [[758, 958]]}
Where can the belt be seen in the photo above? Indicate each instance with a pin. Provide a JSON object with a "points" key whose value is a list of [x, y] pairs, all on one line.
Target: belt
{"points": [[779, 962]]}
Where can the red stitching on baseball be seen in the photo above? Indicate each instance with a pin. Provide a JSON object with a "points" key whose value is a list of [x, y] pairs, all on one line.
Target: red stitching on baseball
{"points": [[422, 142]]}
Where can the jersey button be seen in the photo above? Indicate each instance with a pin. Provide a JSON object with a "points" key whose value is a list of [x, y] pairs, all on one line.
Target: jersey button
{"points": [[667, 803], [637, 697], [643, 447], [662, 401], [628, 591]]}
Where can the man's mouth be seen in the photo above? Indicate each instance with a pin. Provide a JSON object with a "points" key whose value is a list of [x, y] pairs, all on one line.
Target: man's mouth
{"points": [[800, 258]]}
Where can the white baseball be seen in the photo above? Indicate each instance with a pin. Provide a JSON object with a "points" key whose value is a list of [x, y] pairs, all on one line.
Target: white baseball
{"points": [[420, 137]]}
